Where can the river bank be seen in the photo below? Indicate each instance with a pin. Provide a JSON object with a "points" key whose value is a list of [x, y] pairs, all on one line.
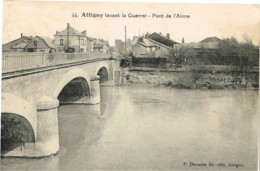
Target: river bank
{"points": [[191, 79]]}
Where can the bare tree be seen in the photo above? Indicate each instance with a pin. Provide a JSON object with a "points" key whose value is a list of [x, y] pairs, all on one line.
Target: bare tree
{"points": [[180, 56]]}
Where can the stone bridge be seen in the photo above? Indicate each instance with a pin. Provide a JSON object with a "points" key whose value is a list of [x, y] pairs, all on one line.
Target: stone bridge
{"points": [[33, 86]]}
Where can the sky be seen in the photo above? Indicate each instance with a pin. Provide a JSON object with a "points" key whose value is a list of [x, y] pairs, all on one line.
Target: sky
{"points": [[206, 20]]}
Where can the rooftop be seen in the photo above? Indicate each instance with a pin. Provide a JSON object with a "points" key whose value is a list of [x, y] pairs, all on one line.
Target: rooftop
{"points": [[69, 30], [49, 42], [162, 39], [210, 39]]}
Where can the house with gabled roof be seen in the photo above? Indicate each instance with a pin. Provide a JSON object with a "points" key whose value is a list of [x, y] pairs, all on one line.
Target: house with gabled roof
{"points": [[17, 45], [153, 46], [41, 44], [71, 38]]}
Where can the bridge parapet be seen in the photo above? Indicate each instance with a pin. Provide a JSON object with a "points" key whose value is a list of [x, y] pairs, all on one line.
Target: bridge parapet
{"points": [[29, 60]]}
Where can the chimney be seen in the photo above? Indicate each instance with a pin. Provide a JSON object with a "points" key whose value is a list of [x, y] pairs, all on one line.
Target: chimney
{"points": [[146, 35], [68, 24], [21, 34], [168, 35], [182, 40], [56, 31], [84, 32]]}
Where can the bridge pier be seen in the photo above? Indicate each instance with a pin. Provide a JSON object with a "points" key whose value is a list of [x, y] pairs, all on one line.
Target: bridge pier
{"points": [[95, 90], [47, 142]]}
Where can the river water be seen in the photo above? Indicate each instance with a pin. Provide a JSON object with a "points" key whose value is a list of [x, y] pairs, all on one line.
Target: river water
{"points": [[140, 128]]}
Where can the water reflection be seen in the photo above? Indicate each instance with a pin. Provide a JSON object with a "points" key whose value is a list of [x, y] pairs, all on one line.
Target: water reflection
{"points": [[155, 128]]}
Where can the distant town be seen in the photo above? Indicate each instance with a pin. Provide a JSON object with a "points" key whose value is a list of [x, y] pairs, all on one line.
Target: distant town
{"points": [[210, 50], [158, 51], [68, 40]]}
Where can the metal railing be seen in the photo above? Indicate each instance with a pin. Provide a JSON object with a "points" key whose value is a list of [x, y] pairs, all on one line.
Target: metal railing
{"points": [[12, 62]]}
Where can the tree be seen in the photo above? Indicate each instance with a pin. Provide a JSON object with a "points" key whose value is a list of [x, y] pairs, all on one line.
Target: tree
{"points": [[180, 55], [241, 56], [249, 56]]}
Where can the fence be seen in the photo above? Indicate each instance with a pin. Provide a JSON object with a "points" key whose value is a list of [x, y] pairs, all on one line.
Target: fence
{"points": [[148, 62], [22, 61]]}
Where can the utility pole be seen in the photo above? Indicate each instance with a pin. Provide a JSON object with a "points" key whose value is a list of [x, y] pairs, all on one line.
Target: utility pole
{"points": [[125, 41], [68, 25]]}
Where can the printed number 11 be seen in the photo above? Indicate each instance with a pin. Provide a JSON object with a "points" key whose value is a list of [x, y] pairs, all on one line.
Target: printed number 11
{"points": [[74, 14]]}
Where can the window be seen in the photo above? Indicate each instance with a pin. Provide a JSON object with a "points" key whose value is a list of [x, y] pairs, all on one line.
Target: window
{"points": [[61, 42], [35, 43], [31, 50], [82, 42]]}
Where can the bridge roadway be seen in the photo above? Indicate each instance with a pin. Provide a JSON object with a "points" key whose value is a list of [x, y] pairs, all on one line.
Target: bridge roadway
{"points": [[33, 86]]}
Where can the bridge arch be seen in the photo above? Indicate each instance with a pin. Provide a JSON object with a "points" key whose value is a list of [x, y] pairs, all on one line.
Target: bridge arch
{"points": [[103, 71], [76, 91], [16, 130], [21, 114], [71, 76]]}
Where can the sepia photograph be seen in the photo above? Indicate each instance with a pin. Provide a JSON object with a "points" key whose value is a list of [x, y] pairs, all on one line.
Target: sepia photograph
{"points": [[129, 85]]}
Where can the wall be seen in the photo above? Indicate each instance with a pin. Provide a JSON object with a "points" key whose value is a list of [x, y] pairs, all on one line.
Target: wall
{"points": [[46, 50], [140, 51], [89, 47], [163, 52], [151, 52], [191, 80], [105, 49], [15, 50]]}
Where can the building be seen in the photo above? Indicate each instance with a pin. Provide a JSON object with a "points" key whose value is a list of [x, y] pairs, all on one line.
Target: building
{"points": [[202, 52], [31, 44], [89, 45], [100, 45], [120, 46], [17, 45], [41, 44], [165, 40], [153, 46], [71, 38], [143, 47]]}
